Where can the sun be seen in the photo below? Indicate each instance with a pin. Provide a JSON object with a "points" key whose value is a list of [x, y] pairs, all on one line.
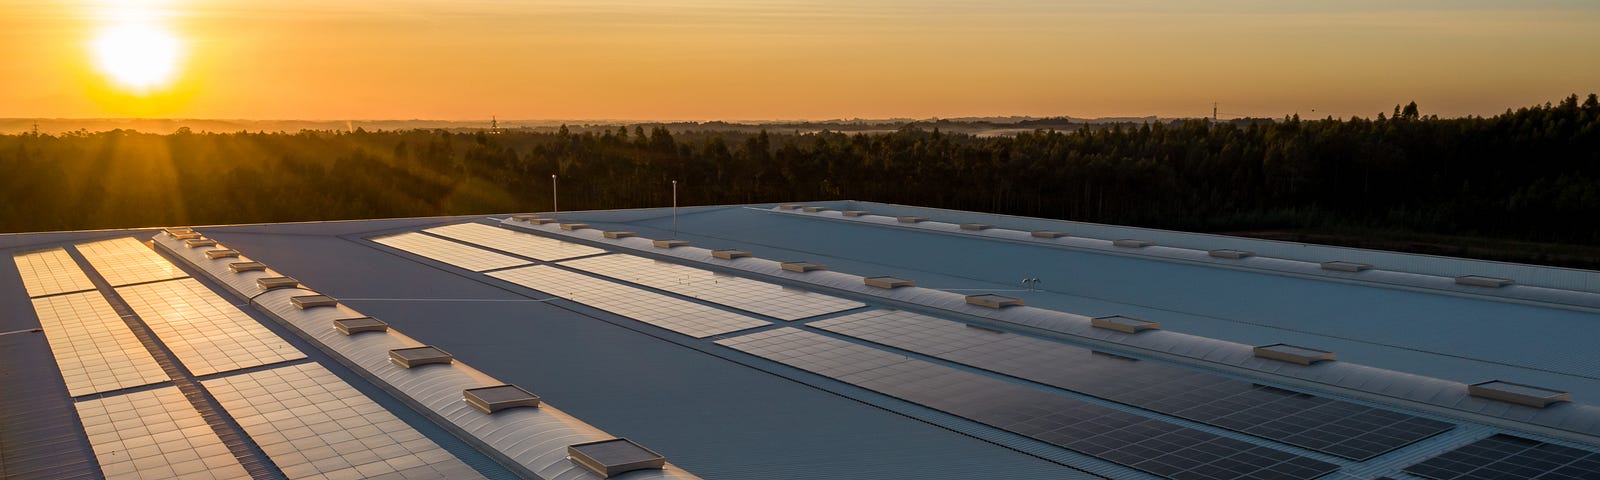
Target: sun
{"points": [[141, 58]]}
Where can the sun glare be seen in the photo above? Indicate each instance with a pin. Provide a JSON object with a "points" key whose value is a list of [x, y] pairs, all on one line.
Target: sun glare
{"points": [[141, 58]]}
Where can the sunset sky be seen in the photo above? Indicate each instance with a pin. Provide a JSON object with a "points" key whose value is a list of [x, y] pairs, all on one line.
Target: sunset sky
{"points": [[786, 59]]}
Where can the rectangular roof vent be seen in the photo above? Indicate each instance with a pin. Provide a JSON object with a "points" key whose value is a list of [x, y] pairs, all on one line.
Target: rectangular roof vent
{"points": [[189, 235], [669, 243], [500, 397], [175, 231], [1481, 281], [1284, 352], [199, 242], [352, 326], [910, 219], [1231, 254], [803, 267], [533, 219], [1131, 243], [1124, 324], [269, 283], [815, 209], [729, 254], [1343, 266], [617, 234], [309, 301], [993, 301], [976, 226], [888, 282], [609, 458], [418, 356], [574, 226], [855, 213], [1517, 393], [1048, 234], [241, 267], [216, 254], [788, 206]]}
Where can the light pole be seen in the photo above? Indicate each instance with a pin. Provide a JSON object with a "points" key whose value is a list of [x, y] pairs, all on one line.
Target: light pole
{"points": [[555, 208], [674, 209]]}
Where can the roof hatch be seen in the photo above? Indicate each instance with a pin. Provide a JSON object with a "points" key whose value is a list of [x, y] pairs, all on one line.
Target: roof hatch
{"points": [[1131, 243], [500, 397], [1284, 352], [617, 234], [1517, 393], [803, 267], [1048, 234], [574, 226], [854, 213], [1231, 254], [729, 254], [609, 458], [888, 282], [199, 242], [1124, 324], [241, 267], [910, 219], [309, 301], [1481, 281], [993, 301], [976, 226], [216, 254], [269, 283], [1343, 266], [419, 356], [352, 326], [669, 243]]}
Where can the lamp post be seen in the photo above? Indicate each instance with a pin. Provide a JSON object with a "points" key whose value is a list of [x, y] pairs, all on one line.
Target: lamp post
{"points": [[555, 208], [674, 209]]}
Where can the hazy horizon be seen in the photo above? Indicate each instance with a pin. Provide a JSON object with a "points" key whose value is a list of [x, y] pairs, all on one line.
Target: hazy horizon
{"points": [[630, 61]]}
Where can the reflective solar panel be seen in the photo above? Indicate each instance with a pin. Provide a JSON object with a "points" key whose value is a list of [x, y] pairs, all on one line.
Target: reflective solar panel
{"points": [[1147, 444], [470, 258], [93, 346], [1334, 427], [314, 425], [737, 292], [1508, 457], [155, 434], [520, 243], [682, 316], [49, 272], [203, 330], [125, 261]]}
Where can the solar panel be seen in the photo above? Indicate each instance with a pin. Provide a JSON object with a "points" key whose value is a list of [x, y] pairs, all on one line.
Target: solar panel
{"points": [[93, 346], [1334, 427], [155, 434], [125, 261], [206, 333], [314, 425], [470, 258], [1147, 444], [520, 243], [49, 272], [682, 316], [1508, 457], [737, 292]]}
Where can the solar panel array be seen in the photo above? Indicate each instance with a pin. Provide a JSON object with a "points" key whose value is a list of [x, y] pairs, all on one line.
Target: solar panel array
{"points": [[470, 258], [1344, 429], [682, 316], [93, 346], [1505, 457], [314, 425], [737, 292], [125, 261], [208, 334], [1143, 443], [520, 243], [50, 272], [155, 434]]}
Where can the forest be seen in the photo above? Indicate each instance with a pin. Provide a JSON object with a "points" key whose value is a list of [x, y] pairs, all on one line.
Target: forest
{"points": [[1523, 185]]}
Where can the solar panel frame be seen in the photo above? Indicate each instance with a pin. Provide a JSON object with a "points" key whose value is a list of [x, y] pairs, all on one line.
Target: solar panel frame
{"points": [[50, 272], [515, 242], [1139, 442], [681, 316], [314, 425], [745, 294], [126, 261], [155, 434], [452, 253], [1338, 428], [93, 346], [207, 333]]}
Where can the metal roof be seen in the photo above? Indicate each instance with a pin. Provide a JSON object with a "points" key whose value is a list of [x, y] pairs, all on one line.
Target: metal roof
{"points": [[716, 412]]}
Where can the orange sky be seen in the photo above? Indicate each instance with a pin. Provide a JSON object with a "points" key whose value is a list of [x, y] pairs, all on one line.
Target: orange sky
{"points": [[802, 59]]}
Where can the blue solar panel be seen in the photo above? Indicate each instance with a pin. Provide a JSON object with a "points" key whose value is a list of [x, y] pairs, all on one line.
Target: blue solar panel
{"points": [[1344, 429], [1147, 444], [1508, 457]]}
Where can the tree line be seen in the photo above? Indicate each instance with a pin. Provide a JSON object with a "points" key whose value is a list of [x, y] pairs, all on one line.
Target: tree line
{"points": [[1530, 174]]}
